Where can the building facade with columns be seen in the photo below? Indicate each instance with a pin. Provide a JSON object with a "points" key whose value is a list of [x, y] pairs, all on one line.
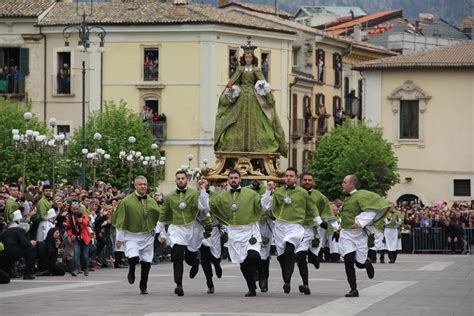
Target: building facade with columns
{"points": [[424, 105]]}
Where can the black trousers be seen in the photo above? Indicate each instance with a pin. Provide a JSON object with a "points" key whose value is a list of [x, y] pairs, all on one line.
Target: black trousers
{"points": [[9, 256], [249, 268], [4, 277], [207, 259], [145, 270], [392, 256], [263, 269], [349, 261], [180, 253], [287, 262], [303, 265]]}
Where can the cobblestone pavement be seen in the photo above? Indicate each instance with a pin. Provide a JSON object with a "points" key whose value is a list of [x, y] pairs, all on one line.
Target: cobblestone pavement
{"points": [[414, 285]]}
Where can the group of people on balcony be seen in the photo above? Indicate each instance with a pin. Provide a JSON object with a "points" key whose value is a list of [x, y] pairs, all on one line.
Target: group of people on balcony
{"points": [[9, 79], [148, 115]]}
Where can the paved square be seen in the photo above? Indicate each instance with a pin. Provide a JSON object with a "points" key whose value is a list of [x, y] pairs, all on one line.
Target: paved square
{"points": [[415, 285]]}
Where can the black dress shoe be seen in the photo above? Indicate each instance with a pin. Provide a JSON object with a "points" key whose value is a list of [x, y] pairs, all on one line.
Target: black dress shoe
{"points": [[382, 261], [143, 291], [304, 289], [251, 293], [179, 291], [263, 284], [286, 288], [370, 269], [194, 270], [352, 293], [391, 261], [131, 277], [210, 290], [218, 269]]}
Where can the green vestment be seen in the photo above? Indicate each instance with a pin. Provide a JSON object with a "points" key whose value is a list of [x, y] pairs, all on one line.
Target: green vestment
{"points": [[10, 207], [43, 206], [250, 123], [172, 213], [136, 215], [324, 208], [248, 212], [300, 207], [362, 201]]}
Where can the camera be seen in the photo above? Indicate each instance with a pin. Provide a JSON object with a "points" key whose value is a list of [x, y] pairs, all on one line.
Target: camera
{"points": [[79, 214]]}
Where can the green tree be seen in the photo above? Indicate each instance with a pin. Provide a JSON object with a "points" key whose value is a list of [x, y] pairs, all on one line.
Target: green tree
{"points": [[38, 164], [116, 123], [354, 149]]}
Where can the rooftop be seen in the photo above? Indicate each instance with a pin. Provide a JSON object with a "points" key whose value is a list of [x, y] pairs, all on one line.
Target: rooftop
{"points": [[457, 56], [297, 26], [24, 8], [339, 11], [269, 9], [368, 19], [153, 13]]}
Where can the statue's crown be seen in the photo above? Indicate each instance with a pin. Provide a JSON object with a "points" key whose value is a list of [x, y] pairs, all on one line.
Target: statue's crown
{"points": [[248, 48]]}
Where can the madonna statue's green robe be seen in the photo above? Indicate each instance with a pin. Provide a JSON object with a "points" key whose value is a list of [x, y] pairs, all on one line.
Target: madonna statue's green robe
{"points": [[250, 123]]}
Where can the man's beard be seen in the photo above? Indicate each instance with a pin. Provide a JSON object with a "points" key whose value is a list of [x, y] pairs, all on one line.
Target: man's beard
{"points": [[234, 185], [181, 186]]}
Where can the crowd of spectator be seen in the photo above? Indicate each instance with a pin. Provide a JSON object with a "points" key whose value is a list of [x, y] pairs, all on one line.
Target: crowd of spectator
{"points": [[437, 228], [9, 79]]}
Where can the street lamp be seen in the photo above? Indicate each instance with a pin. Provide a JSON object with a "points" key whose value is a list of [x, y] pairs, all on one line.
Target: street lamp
{"points": [[84, 30], [25, 141], [55, 144], [95, 158], [130, 159], [155, 165]]}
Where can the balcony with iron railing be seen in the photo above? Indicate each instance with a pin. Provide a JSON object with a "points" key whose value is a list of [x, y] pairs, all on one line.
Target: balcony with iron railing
{"points": [[158, 129], [13, 88]]}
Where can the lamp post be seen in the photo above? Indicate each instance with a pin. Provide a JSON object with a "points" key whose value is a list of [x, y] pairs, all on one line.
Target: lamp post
{"points": [[84, 29], [130, 159], [25, 141], [155, 165], [54, 144]]}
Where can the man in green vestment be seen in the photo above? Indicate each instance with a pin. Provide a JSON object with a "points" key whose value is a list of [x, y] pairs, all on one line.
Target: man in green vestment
{"points": [[266, 229], [135, 220], [211, 247], [240, 210], [12, 204], [306, 248], [292, 206], [360, 209], [42, 207], [182, 210]]}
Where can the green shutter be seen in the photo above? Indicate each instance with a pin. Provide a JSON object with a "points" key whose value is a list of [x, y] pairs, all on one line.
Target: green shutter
{"points": [[24, 61]]}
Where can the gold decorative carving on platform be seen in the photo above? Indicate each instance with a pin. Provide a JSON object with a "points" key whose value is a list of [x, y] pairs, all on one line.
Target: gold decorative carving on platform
{"points": [[251, 165]]}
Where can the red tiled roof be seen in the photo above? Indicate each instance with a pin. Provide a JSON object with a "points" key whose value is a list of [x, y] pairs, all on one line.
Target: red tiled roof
{"points": [[457, 56], [24, 8], [365, 19]]}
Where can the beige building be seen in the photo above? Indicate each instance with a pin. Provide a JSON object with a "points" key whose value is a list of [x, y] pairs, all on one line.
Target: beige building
{"points": [[321, 80], [175, 58], [424, 105]]}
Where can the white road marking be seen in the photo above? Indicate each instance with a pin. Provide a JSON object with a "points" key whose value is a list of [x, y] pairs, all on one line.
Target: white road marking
{"points": [[54, 288], [435, 266], [368, 297]]}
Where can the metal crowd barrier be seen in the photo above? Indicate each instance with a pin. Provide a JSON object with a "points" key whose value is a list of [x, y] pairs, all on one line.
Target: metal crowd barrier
{"points": [[435, 240]]}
